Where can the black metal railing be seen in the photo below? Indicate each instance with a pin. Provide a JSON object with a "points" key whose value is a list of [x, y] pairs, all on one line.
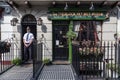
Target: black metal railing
{"points": [[96, 62], [37, 59], [8, 52], [75, 59]]}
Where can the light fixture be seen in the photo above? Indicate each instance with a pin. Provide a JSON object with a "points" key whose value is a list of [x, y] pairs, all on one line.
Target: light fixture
{"points": [[105, 2], [26, 2], [53, 2], [14, 21], [66, 6], [91, 6], [39, 21], [11, 2], [78, 3], [118, 3]]}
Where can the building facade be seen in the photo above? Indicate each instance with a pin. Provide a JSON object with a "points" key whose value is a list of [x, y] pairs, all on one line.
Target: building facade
{"points": [[28, 13]]}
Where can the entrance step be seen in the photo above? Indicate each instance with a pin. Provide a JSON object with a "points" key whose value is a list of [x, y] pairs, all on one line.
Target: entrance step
{"points": [[61, 62]]}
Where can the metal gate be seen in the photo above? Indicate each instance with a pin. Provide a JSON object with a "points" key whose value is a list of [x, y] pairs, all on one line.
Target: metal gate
{"points": [[96, 62], [37, 59]]}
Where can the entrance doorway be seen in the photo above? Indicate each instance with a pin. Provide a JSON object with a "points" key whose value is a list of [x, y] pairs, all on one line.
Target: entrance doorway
{"points": [[27, 20], [60, 45]]}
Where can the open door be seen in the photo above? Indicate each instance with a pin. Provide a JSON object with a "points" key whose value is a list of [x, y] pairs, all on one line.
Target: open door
{"points": [[27, 20]]}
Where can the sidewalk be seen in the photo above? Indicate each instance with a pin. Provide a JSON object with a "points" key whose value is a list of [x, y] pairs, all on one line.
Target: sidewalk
{"points": [[51, 72], [23, 72], [57, 72]]}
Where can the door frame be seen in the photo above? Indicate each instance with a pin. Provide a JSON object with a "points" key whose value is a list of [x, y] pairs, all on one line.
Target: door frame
{"points": [[24, 24], [53, 41]]}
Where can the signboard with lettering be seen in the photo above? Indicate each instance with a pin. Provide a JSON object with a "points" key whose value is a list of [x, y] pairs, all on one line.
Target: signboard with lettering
{"points": [[77, 15]]}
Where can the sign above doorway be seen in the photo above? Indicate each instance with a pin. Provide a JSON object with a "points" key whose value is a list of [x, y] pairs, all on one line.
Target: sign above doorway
{"points": [[74, 13]]}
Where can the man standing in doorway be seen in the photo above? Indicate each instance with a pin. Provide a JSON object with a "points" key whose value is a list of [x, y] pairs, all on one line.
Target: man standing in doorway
{"points": [[28, 40]]}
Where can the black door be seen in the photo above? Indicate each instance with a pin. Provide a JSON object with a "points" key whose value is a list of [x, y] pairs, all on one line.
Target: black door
{"points": [[60, 45], [27, 20]]}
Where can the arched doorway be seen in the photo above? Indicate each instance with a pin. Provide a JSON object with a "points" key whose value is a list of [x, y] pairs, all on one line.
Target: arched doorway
{"points": [[27, 20]]}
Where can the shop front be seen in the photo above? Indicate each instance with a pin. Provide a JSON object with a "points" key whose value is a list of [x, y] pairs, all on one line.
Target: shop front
{"points": [[86, 24], [63, 23], [56, 17], [95, 16]]}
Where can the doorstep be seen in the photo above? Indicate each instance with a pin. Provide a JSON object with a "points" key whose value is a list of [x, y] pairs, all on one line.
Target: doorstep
{"points": [[60, 62]]}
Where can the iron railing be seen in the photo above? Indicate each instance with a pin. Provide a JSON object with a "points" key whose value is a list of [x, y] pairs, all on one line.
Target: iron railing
{"points": [[37, 59], [7, 54], [96, 62]]}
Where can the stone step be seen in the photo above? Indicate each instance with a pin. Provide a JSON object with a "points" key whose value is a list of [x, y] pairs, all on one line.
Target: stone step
{"points": [[58, 62]]}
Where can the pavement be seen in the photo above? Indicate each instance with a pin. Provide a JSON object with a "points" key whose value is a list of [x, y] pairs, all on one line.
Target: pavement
{"points": [[57, 72], [23, 72], [51, 72]]}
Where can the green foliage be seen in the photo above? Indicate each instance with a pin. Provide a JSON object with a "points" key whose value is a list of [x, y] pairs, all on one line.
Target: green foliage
{"points": [[113, 67], [70, 34], [46, 61], [17, 61]]}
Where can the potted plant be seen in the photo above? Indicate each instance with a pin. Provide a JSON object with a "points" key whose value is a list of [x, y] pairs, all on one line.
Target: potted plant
{"points": [[16, 61], [112, 67], [47, 62]]}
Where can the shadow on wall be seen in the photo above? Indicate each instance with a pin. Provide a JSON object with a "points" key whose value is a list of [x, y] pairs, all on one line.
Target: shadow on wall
{"points": [[44, 28]]}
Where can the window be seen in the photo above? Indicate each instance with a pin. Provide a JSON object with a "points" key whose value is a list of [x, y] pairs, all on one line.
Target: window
{"points": [[88, 31]]}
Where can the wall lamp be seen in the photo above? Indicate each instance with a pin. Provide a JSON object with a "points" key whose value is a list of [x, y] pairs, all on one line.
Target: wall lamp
{"points": [[78, 3], [39, 21], [66, 6], [14, 21], [53, 3], [91, 6]]}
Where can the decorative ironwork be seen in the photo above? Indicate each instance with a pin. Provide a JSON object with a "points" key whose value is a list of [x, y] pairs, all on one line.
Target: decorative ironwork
{"points": [[29, 19], [37, 59], [102, 63]]}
